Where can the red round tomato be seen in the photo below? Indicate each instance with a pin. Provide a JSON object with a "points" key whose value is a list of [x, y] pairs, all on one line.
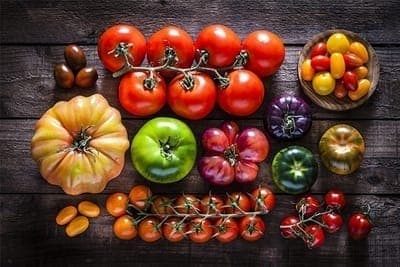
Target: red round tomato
{"points": [[119, 43], [200, 230], [335, 199], [187, 204], [265, 51], [314, 236], [251, 227], [141, 95], [174, 229], [332, 221], [359, 226], [192, 96], [221, 43], [227, 230], [244, 94], [289, 227], [148, 229], [319, 48], [307, 205], [211, 204], [238, 203], [262, 199]]}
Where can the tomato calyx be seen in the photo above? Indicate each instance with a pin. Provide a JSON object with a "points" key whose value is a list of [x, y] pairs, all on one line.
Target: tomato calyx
{"points": [[81, 142], [289, 123], [122, 49], [231, 155], [167, 148]]}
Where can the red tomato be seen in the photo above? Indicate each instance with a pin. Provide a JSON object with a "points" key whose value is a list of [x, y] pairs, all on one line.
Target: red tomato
{"points": [[265, 51], [251, 228], [262, 199], [192, 97], [200, 230], [333, 221], [211, 204], [359, 226], [118, 40], [139, 100], [238, 203], [350, 80], [227, 230], [221, 43], [148, 229], [319, 48], [321, 63], [124, 228], [174, 229], [187, 204], [314, 237], [352, 60], [307, 205], [116, 204], [289, 228], [335, 199], [161, 205], [244, 94]]}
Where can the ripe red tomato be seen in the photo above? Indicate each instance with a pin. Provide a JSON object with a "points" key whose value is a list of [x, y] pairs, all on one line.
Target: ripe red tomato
{"points": [[211, 204], [319, 48], [266, 52], [148, 229], [321, 63], [335, 199], [237, 203], [174, 229], [124, 228], [262, 199], [307, 205], [333, 221], [244, 94], [221, 43], [359, 226], [314, 237], [187, 204], [350, 80], [200, 230], [288, 227], [140, 197], [251, 228], [192, 97], [137, 98], [116, 204], [118, 40], [227, 230]]}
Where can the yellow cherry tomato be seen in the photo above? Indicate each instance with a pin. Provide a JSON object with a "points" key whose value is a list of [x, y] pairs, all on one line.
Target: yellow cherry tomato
{"points": [[89, 209], [361, 72], [307, 71], [77, 226], [323, 83], [338, 66], [66, 215], [360, 50], [337, 42], [362, 90]]}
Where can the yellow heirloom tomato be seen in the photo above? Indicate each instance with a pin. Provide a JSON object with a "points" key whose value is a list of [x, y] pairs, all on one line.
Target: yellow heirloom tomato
{"points": [[323, 83], [80, 145]]}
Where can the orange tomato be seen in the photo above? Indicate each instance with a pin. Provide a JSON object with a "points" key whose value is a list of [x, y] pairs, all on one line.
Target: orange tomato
{"points": [[307, 71], [124, 228], [116, 204], [362, 90], [77, 226], [149, 229], [360, 50], [66, 215], [140, 197], [89, 209]]}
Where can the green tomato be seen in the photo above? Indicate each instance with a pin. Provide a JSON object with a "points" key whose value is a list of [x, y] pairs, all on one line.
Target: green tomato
{"points": [[164, 150], [323, 83], [294, 169]]}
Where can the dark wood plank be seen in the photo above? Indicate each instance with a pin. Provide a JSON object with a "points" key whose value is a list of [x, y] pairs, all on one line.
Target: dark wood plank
{"points": [[33, 238], [28, 86], [378, 174], [81, 22]]}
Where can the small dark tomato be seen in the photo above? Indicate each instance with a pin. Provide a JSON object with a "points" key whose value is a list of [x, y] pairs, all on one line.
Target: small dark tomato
{"points": [[86, 77], [75, 57], [64, 76]]}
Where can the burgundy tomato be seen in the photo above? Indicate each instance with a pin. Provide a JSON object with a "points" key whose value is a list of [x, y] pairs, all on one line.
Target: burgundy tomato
{"points": [[307, 205], [320, 63], [332, 221], [251, 228], [289, 227], [174, 229], [335, 199], [244, 94], [314, 237], [193, 96], [350, 80], [211, 204], [237, 203], [221, 43], [118, 43], [227, 230], [200, 230], [262, 199], [265, 52], [359, 226], [319, 49], [141, 95]]}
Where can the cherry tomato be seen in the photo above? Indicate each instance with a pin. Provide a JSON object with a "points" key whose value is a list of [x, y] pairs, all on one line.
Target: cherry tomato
{"points": [[86, 77], [148, 229], [307, 205], [319, 49], [338, 66], [211, 204], [265, 51], [64, 76], [360, 50], [174, 229], [66, 215], [340, 91], [289, 228], [89, 209], [187, 204], [361, 72], [323, 83], [337, 42], [140, 197], [75, 57], [244, 94], [314, 237], [221, 43], [320, 63], [119, 42], [350, 81], [307, 71], [262, 199], [124, 228], [333, 221], [116, 204], [237, 203], [359, 226], [363, 87], [251, 227], [227, 230], [192, 96], [162, 205], [200, 230], [352, 60], [335, 199], [77, 226], [141, 95]]}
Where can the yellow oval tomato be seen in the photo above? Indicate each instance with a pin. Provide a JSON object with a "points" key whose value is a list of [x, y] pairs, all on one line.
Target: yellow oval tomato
{"points": [[80, 145], [323, 83], [307, 71], [89, 209], [77, 226], [360, 50], [338, 67], [66, 215], [337, 42], [362, 90]]}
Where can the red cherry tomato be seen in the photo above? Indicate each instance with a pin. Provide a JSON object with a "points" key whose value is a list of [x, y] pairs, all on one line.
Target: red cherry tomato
{"points": [[333, 221], [262, 199], [321, 63], [265, 51], [307, 205], [211, 204], [174, 229], [350, 80], [238, 203], [289, 228], [117, 39], [200, 230], [227, 230], [319, 49], [352, 60], [221, 43], [314, 237], [251, 228], [161, 205], [187, 204], [335, 199], [244, 94], [359, 226]]}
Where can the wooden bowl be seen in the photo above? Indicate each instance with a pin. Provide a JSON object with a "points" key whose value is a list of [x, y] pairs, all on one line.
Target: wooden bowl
{"points": [[330, 101]]}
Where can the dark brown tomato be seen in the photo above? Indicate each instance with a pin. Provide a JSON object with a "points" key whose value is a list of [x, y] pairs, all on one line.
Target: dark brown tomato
{"points": [[75, 57], [86, 77], [64, 76]]}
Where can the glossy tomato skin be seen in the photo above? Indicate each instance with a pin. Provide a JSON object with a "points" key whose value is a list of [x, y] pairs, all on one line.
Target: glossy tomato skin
{"points": [[332, 221], [342, 149], [174, 230], [200, 230], [117, 204], [262, 199], [244, 94], [307, 205], [124, 228], [359, 226], [315, 236], [335, 199], [289, 227], [140, 196], [192, 103], [237, 203], [138, 100], [114, 35], [221, 43], [148, 229], [251, 228], [187, 204], [266, 52], [211, 204], [227, 230], [164, 150]]}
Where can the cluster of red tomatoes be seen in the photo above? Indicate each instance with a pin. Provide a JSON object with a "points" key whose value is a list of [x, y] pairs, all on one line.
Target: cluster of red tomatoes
{"points": [[228, 70], [187, 216]]}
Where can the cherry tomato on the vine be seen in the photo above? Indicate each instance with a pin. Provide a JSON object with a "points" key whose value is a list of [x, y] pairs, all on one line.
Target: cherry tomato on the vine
{"points": [[211, 204], [187, 204], [289, 228], [117, 203], [359, 226], [237, 202], [140, 197], [335, 199], [315, 236], [174, 229], [332, 221], [148, 229], [307, 205], [319, 49], [262, 199], [200, 230], [227, 230], [125, 228], [162, 205], [251, 227]]}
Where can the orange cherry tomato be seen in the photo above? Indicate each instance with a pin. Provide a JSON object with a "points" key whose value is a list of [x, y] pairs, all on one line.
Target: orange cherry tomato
{"points": [[360, 50], [361, 72], [362, 89], [117, 203], [307, 71], [77, 226], [66, 215], [124, 228], [89, 209], [200, 230], [162, 205], [338, 66], [174, 229], [148, 229], [187, 204], [140, 196]]}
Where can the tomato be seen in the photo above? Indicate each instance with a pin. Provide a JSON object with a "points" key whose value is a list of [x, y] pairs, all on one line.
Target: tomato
{"points": [[140, 197], [289, 227], [294, 169], [187, 204], [164, 150], [88, 209], [244, 94], [211, 204], [173, 42], [237, 203], [320, 63], [265, 52], [227, 230], [116, 204], [74, 57], [332, 221], [119, 43], [77, 226], [140, 94], [86, 77], [352, 60], [340, 91], [262, 199], [149, 229], [361, 72], [337, 42], [124, 227], [315, 236], [80, 145], [192, 96], [360, 51], [200, 230], [307, 206], [221, 43], [66, 215], [64, 76], [174, 229], [162, 205], [350, 81], [363, 87], [323, 83], [337, 66], [359, 226], [335, 199], [341, 149], [319, 48], [307, 71], [251, 227]]}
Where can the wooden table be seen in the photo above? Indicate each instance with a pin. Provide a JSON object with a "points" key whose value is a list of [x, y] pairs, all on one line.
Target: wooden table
{"points": [[33, 35]]}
